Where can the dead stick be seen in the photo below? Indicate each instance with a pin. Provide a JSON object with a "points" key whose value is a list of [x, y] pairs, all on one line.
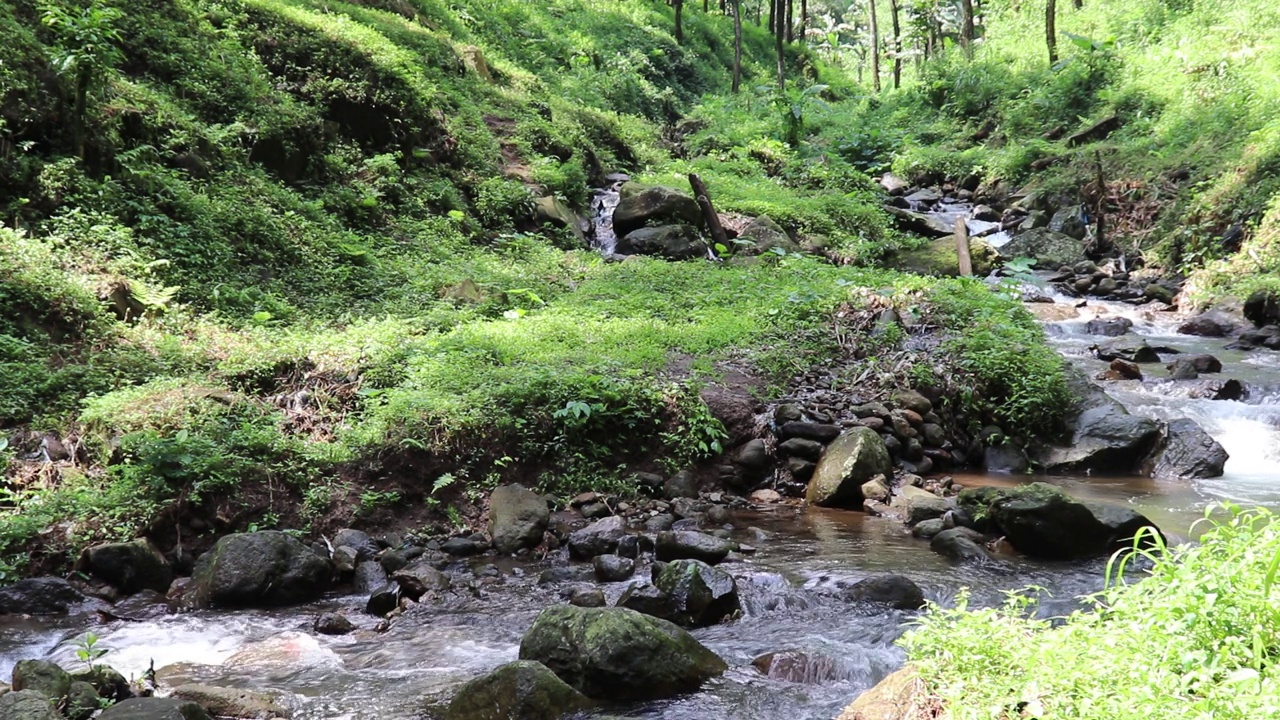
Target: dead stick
{"points": [[718, 235], [962, 248], [1099, 232]]}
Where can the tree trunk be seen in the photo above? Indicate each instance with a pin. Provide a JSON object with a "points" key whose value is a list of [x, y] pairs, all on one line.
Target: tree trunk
{"points": [[791, 24], [82, 108], [709, 216], [804, 21], [875, 48], [962, 248], [679, 5], [1051, 29], [706, 6], [1079, 4], [778, 10], [737, 44], [966, 26], [897, 45], [773, 6]]}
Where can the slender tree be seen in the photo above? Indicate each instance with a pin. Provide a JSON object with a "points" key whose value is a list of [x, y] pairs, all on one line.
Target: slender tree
{"points": [[875, 48], [737, 44], [87, 47], [791, 25], [1051, 29], [679, 6], [779, 10], [804, 20], [966, 25], [894, 8]]}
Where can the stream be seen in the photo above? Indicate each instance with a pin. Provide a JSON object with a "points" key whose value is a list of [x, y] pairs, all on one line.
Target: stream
{"points": [[787, 586]]}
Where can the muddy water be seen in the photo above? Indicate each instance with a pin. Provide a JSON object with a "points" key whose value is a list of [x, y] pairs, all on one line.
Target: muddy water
{"points": [[788, 586]]}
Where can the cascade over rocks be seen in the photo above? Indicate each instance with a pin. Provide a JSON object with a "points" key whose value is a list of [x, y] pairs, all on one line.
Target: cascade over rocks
{"points": [[618, 654], [259, 569]]}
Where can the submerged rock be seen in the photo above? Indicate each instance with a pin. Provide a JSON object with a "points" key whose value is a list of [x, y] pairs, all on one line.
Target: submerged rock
{"points": [[522, 689], [798, 666], [233, 702], [896, 591], [858, 455], [617, 654], [259, 569]]}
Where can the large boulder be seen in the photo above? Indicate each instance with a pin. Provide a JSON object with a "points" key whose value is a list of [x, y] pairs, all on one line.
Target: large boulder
{"points": [[128, 567], [642, 205], [1040, 520], [1050, 249], [154, 708], [941, 258], [517, 518], [1262, 308], [673, 242], [618, 654], [27, 705], [419, 579], [39, 596], [693, 545], [1102, 436], [522, 689], [260, 569], [851, 460], [1188, 452], [699, 594], [763, 235], [599, 538], [1070, 221], [43, 677], [232, 702]]}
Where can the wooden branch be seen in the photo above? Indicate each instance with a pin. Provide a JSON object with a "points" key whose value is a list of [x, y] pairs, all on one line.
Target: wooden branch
{"points": [[962, 248], [718, 235]]}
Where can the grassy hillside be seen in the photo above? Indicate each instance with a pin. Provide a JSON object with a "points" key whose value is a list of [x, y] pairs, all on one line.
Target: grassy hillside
{"points": [[284, 267]]}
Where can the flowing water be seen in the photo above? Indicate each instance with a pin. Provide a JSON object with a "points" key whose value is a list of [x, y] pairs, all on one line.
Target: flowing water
{"points": [[789, 586]]}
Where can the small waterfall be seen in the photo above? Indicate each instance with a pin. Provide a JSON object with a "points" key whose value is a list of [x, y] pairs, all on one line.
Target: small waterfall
{"points": [[603, 202]]}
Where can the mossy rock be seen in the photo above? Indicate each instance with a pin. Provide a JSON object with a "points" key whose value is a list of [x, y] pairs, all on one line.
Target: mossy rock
{"points": [[643, 205], [261, 569], [27, 705], [618, 654], [941, 258], [521, 689]]}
